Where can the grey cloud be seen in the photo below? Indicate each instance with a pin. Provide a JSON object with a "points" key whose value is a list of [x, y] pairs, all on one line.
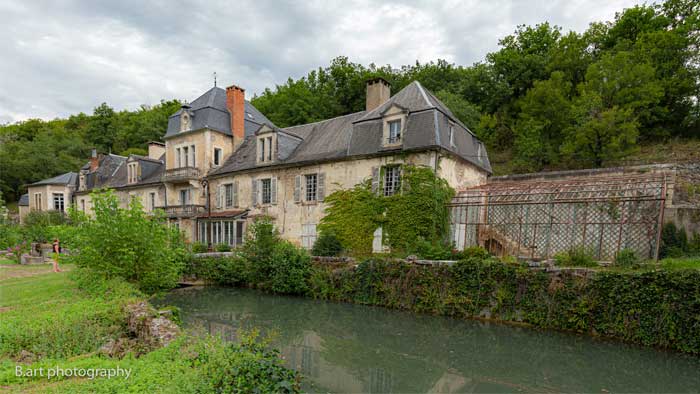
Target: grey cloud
{"points": [[63, 57]]}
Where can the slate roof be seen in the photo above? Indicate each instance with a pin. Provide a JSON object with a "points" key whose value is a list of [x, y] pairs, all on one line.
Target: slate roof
{"points": [[360, 134], [24, 200], [112, 171], [69, 178], [209, 110]]}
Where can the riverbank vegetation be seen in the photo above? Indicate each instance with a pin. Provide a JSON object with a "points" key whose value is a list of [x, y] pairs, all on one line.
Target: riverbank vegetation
{"points": [[649, 304], [63, 319]]}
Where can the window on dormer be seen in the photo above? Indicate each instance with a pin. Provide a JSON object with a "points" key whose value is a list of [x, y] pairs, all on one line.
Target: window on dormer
{"points": [[269, 148], [262, 149], [452, 135], [394, 131], [132, 172]]}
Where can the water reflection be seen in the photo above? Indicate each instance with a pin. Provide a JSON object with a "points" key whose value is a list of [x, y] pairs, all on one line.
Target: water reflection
{"points": [[351, 348]]}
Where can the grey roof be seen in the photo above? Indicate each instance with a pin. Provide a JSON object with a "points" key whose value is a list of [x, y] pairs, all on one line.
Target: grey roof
{"points": [[360, 134], [209, 111], [24, 200], [108, 165], [112, 172], [69, 178]]}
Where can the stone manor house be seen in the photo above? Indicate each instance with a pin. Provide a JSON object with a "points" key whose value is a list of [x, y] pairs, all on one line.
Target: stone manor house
{"points": [[224, 163]]}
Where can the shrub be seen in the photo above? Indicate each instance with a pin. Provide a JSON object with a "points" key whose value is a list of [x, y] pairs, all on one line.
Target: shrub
{"points": [[627, 258], [199, 247], [249, 366], [291, 268], [10, 235], [223, 248], [472, 252], [327, 244], [575, 257], [433, 250], [131, 244], [261, 239], [674, 241]]}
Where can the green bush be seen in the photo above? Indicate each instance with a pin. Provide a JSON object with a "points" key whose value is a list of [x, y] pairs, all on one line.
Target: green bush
{"points": [[674, 241], [223, 248], [291, 268], [575, 257], [199, 247], [627, 258], [432, 250], [472, 252], [327, 244], [130, 244], [10, 235], [260, 241]]}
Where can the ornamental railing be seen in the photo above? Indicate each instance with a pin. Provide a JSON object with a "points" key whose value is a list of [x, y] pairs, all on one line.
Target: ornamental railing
{"points": [[181, 174]]}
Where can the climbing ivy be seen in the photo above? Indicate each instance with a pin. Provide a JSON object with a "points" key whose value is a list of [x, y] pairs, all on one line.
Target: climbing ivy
{"points": [[415, 215]]}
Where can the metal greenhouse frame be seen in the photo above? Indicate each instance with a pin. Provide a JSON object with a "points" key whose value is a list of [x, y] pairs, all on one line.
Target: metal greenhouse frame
{"points": [[536, 219]]}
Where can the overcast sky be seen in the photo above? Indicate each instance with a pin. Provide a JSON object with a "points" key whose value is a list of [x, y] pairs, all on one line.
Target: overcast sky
{"points": [[64, 57]]}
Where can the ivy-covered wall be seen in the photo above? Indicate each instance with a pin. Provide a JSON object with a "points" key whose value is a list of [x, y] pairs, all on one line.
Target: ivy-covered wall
{"points": [[655, 308]]}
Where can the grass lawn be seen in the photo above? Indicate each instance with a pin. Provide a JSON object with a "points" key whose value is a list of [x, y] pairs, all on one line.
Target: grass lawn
{"points": [[63, 320], [681, 263]]}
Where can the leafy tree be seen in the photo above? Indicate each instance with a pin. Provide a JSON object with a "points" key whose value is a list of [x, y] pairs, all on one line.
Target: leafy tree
{"points": [[128, 243], [599, 133], [102, 127], [545, 112], [327, 244]]}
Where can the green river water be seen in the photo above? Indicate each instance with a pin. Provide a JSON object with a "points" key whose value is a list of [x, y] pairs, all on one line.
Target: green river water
{"points": [[361, 349]]}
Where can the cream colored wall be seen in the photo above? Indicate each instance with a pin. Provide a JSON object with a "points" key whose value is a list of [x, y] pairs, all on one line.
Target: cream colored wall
{"points": [[204, 141], [23, 212], [459, 173], [47, 192], [290, 216], [142, 193]]}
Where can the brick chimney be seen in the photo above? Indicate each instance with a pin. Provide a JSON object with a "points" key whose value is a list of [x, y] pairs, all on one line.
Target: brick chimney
{"points": [[235, 103], [94, 161], [378, 92], [156, 150]]}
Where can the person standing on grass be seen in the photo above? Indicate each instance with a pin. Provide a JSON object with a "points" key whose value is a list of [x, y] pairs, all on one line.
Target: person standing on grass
{"points": [[56, 252]]}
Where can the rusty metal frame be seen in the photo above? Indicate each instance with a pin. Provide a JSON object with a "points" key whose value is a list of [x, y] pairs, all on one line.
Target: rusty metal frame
{"points": [[617, 210]]}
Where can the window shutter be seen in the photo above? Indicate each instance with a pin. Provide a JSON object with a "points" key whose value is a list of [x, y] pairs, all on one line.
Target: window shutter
{"points": [[297, 188], [235, 194], [375, 179], [259, 189], [321, 186], [273, 191], [218, 197], [254, 190]]}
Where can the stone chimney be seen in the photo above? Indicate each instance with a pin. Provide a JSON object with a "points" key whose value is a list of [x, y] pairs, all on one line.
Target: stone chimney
{"points": [[94, 161], [378, 92], [235, 103], [156, 150]]}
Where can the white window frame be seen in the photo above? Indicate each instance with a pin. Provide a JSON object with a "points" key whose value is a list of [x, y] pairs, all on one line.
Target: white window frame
{"points": [[61, 200], [263, 182], [394, 135], [228, 195], [392, 180], [311, 195]]}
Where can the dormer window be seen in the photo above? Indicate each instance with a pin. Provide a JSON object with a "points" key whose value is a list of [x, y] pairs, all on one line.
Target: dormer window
{"points": [[394, 131], [266, 149], [394, 119], [83, 185], [132, 172], [185, 121], [452, 135]]}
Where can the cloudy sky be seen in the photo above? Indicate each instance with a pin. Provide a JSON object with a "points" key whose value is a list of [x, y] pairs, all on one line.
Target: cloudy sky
{"points": [[62, 57]]}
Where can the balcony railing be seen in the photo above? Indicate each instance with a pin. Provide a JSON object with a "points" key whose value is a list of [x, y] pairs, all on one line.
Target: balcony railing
{"points": [[183, 211], [181, 174]]}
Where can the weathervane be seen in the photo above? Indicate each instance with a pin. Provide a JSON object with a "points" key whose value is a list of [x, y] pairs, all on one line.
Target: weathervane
{"points": [[214, 78]]}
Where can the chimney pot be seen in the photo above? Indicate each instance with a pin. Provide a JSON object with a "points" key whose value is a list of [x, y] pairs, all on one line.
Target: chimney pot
{"points": [[378, 92]]}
